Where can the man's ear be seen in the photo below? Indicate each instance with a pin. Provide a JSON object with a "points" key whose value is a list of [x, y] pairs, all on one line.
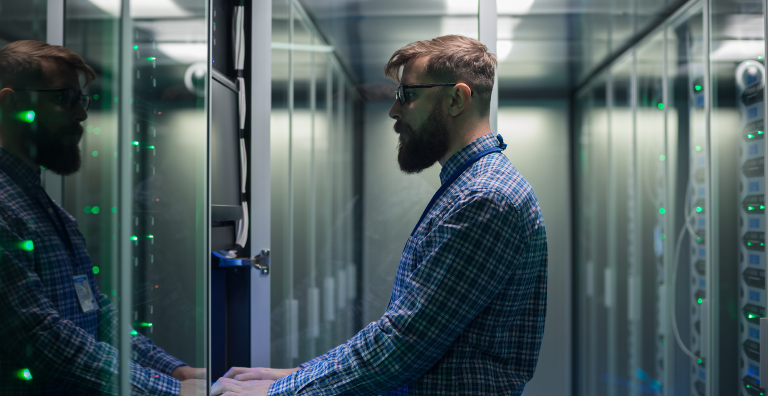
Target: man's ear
{"points": [[8, 100], [461, 98]]}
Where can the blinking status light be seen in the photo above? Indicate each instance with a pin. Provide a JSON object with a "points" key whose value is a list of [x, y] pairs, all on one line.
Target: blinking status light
{"points": [[28, 246], [25, 374], [26, 116]]}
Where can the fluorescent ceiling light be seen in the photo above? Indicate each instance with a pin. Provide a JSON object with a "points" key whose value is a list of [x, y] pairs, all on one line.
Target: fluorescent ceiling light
{"points": [[461, 7], [184, 52], [514, 7], [154, 9], [503, 7], [503, 49], [737, 50], [303, 47]]}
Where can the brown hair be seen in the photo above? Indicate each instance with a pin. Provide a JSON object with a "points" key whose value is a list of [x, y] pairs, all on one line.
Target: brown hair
{"points": [[20, 62], [450, 58]]}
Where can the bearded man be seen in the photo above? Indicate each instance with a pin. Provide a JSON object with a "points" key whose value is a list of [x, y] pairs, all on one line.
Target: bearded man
{"points": [[59, 332], [466, 315]]}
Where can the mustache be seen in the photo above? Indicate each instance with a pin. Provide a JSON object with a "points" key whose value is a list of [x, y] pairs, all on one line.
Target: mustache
{"points": [[401, 127]]}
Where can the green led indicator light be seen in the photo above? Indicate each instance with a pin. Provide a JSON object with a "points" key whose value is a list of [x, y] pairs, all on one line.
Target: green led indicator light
{"points": [[115, 99], [697, 87], [87, 209], [114, 209], [760, 57], [698, 240], [151, 58], [748, 386], [150, 236], [95, 269], [698, 148], [699, 209], [114, 292], [749, 243], [145, 324], [135, 47], [661, 106], [95, 96], [95, 153], [760, 132], [25, 374], [698, 361], [134, 238], [701, 300], [26, 116], [151, 147], [662, 157], [135, 142], [662, 211], [762, 244], [28, 246], [750, 208], [95, 210], [750, 136], [134, 332], [762, 206], [750, 316]]}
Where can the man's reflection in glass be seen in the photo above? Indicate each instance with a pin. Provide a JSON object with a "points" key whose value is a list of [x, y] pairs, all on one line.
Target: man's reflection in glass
{"points": [[56, 341]]}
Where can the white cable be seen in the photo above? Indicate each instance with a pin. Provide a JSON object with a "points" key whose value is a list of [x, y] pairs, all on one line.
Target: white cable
{"points": [[239, 42], [242, 225], [241, 102], [239, 52], [674, 278]]}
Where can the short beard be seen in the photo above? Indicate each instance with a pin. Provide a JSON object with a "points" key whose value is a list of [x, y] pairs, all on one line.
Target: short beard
{"points": [[423, 147], [52, 151]]}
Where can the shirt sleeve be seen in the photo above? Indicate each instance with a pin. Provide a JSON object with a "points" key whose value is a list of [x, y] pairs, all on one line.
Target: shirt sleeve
{"points": [[461, 265], [314, 361], [54, 349], [146, 353]]}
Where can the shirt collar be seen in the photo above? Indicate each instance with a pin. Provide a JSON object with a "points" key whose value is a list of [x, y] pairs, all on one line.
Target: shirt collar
{"points": [[463, 155], [21, 173]]}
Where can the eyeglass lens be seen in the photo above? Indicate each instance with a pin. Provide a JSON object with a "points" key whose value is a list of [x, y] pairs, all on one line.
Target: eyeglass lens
{"points": [[400, 95], [71, 97]]}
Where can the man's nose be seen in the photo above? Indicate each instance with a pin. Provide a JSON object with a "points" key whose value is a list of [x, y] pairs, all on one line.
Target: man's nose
{"points": [[80, 114], [394, 111]]}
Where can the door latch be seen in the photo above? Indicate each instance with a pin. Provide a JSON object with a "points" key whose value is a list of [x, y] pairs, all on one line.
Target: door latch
{"points": [[261, 262]]}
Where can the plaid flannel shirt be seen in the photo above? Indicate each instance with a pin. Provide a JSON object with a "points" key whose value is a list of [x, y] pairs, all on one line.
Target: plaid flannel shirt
{"points": [[467, 310], [67, 351]]}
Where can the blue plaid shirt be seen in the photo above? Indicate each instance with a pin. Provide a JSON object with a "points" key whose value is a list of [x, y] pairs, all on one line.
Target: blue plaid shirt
{"points": [[467, 311], [44, 330]]}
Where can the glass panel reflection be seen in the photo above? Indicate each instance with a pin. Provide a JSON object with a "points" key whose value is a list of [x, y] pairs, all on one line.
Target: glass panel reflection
{"points": [[646, 281], [168, 169]]}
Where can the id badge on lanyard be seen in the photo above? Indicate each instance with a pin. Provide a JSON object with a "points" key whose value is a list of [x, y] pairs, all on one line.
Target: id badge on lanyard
{"points": [[84, 293]]}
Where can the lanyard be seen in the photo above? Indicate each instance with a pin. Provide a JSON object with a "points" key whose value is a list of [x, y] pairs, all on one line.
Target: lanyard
{"points": [[49, 212], [456, 175]]}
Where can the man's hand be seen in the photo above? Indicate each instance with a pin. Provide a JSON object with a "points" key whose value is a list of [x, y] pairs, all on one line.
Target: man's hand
{"points": [[258, 373], [183, 373], [230, 387], [193, 387]]}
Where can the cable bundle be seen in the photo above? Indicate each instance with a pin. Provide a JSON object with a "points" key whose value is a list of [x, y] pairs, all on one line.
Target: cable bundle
{"points": [[239, 52]]}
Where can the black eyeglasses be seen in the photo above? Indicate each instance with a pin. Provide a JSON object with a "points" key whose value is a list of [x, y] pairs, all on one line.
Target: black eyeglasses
{"points": [[402, 98], [69, 97]]}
